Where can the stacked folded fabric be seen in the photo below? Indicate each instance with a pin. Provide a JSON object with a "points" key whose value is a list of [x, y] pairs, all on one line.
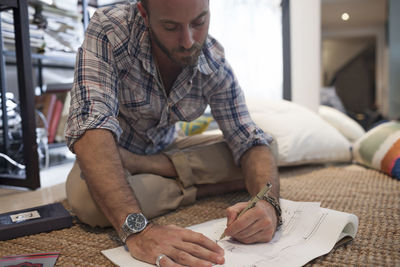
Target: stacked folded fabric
{"points": [[53, 28]]}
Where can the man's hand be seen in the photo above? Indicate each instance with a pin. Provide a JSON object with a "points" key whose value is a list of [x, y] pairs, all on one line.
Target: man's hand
{"points": [[258, 224], [182, 247]]}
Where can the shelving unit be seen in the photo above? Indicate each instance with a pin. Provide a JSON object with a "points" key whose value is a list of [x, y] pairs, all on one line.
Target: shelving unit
{"points": [[31, 178], [23, 59], [40, 61]]}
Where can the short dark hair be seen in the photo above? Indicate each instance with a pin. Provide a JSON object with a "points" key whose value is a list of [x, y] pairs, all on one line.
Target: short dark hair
{"points": [[145, 4]]}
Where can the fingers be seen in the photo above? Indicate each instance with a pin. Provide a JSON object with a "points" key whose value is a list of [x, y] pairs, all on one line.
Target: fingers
{"points": [[195, 250], [168, 262], [184, 258], [243, 224], [255, 225], [203, 242], [182, 247], [203, 248], [233, 211], [260, 231]]}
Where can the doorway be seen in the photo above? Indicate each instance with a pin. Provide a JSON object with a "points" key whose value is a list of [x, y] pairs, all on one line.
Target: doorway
{"points": [[349, 68]]}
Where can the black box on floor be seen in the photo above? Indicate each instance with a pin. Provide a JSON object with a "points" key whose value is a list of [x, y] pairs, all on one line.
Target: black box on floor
{"points": [[34, 220]]}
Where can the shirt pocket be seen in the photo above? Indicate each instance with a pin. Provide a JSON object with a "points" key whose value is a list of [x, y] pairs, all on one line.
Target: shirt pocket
{"points": [[140, 112], [189, 109]]}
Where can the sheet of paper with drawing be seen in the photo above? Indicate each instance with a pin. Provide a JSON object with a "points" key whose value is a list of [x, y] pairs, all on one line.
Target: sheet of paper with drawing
{"points": [[308, 231]]}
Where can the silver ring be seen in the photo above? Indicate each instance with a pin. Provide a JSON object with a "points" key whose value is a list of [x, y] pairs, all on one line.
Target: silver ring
{"points": [[159, 259]]}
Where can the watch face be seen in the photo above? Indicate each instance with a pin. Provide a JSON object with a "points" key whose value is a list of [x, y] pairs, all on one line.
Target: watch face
{"points": [[136, 222]]}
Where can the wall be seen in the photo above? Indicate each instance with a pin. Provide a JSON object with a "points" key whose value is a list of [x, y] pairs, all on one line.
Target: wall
{"points": [[379, 34], [336, 52], [394, 59], [305, 38]]}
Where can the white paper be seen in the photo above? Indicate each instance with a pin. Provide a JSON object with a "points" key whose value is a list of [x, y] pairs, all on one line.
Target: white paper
{"points": [[308, 231]]}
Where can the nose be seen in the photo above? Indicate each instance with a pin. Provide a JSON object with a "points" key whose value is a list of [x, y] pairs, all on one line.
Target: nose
{"points": [[187, 40]]}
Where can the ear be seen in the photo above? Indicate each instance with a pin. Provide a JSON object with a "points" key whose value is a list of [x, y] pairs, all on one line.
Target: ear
{"points": [[143, 12]]}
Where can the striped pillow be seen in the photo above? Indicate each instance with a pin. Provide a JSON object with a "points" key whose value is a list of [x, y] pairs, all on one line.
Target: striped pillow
{"points": [[379, 148]]}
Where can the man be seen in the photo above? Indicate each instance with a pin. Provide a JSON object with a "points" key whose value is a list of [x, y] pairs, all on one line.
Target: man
{"points": [[143, 67]]}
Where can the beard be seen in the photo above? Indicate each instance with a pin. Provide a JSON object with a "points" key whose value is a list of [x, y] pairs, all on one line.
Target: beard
{"points": [[174, 54]]}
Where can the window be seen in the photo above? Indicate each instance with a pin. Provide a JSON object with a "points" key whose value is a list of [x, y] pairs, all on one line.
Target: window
{"points": [[251, 33]]}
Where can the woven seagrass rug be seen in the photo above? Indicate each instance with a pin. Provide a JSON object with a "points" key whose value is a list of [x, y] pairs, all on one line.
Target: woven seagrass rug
{"points": [[372, 196]]}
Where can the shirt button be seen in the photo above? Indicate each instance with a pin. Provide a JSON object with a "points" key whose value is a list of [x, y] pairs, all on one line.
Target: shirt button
{"points": [[190, 82]]}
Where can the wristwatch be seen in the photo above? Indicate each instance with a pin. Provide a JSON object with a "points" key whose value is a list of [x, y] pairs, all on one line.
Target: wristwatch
{"points": [[134, 223]]}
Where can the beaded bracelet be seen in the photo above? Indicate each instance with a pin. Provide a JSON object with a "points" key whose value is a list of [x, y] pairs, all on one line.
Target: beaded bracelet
{"points": [[276, 206]]}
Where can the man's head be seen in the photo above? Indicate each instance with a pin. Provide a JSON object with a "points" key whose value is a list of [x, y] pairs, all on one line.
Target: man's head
{"points": [[178, 28]]}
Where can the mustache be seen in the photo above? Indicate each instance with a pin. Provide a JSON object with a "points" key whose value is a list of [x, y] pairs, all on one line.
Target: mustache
{"points": [[195, 47]]}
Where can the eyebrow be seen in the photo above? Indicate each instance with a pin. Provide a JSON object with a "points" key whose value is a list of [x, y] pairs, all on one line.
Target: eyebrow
{"points": [[202, 14]]}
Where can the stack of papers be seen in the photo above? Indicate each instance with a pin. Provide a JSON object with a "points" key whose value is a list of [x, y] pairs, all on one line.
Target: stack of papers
{"points": [[308, 231]]}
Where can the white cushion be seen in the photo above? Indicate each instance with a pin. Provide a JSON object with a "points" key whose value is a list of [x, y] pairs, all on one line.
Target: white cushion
{"points": [[346, 125], [302, 136]]}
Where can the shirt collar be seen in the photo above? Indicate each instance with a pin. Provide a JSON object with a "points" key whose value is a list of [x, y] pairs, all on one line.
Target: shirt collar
{"points": [[145, 54], [203, 64], [139, 43]]}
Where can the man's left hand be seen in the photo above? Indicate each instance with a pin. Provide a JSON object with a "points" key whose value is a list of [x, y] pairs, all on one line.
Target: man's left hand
{"points": [[257, 224]]}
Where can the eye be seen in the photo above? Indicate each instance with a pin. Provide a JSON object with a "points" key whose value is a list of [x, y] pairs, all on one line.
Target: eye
{"points": [[199, 22], [170, 27]]}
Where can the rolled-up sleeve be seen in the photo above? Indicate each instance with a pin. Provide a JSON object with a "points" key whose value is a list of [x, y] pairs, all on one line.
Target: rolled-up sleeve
{"points": [[229, 109], [94, 95]]}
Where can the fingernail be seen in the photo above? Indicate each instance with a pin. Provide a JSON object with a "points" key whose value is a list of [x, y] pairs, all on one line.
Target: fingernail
{"points": [[220, 260]]}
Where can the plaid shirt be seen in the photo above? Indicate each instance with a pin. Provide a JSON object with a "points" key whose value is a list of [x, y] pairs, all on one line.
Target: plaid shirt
{"points": [[116, 87]]}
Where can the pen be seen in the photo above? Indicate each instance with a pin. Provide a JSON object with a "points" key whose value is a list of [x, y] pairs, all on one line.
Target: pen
{"points": [[253, 202]]}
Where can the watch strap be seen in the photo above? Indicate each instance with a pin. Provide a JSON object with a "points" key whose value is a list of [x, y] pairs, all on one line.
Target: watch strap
{"points": [[125, 232]]}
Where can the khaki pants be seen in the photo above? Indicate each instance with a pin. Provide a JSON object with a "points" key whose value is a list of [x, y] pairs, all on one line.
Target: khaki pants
{"points": [[199, 159]]}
